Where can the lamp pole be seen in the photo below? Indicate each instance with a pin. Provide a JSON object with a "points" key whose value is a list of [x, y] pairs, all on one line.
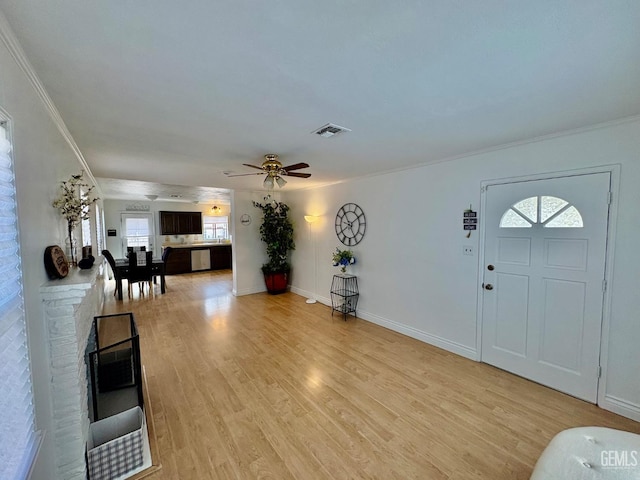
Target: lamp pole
{"points": [[311, 219]]}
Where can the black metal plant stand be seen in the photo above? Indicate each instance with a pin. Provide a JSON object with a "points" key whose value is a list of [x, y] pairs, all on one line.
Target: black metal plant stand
{"points": [[344, 294]]}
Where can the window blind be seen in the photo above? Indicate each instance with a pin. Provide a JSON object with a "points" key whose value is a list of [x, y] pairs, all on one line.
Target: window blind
{"points": [[213, 220], [137, 227], [86, 233], [86, 225], [99, 231], [17, 422]]}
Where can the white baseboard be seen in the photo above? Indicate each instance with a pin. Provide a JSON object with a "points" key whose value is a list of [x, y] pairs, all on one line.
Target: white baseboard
{"points": [[439, 342], [412, 332], [324, 301], [249, 291], [308, 294], [301, 292], [621, 407]]}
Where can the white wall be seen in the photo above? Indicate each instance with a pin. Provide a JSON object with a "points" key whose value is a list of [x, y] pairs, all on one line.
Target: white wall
{"points": [[249, 253], [42, 160], [412, 274], [114, 208]]}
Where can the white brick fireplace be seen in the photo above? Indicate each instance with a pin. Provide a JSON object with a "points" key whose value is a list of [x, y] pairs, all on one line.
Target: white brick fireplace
{"points": [[69, 307]]}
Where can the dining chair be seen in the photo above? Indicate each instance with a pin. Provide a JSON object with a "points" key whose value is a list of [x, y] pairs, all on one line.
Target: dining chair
{"points": [[112, 263], [166, 253], [140, 269]]}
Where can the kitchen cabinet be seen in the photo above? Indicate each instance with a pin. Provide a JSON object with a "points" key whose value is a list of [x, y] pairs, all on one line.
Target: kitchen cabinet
{"points": [[178, 262], [221, 257], [193, 258], [168, 224], [180, 223]]}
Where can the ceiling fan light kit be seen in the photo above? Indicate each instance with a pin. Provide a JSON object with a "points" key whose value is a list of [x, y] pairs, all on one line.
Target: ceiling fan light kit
{"points": [[274, 171]]}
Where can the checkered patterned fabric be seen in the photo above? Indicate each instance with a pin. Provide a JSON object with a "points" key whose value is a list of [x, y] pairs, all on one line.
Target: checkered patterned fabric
{"points": [[141, 258], [117, 457]]}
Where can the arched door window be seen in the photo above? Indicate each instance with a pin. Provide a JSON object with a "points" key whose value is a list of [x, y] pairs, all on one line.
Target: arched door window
{"points": [[550, 212]]}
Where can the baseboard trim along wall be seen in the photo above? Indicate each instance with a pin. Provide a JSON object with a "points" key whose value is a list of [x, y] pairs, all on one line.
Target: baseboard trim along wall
{"points": [[303, 293], [248, 291], [434, 340], [621, 407]]}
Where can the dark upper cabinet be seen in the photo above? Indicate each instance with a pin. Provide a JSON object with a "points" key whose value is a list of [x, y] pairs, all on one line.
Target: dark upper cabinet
{"points": [[168, 223], [180, 223], [196, 223]]}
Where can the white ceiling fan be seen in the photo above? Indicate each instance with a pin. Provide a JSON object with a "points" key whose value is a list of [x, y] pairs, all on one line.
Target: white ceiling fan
{"points": [[274, 171]]}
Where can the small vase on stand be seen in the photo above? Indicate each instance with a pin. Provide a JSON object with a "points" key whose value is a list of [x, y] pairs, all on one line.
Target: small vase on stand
{"points": [[71, 246]]}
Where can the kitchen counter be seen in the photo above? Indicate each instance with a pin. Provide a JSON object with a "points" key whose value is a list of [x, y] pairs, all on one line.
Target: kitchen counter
{"points": [[195, 245], [194, 257]]}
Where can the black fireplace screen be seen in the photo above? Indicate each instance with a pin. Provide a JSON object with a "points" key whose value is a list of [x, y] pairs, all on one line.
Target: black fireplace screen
{"points": [[115, 369]]}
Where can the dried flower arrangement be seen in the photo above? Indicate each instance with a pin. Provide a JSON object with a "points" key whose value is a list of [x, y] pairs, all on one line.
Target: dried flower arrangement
{"points": [[74, 203]]}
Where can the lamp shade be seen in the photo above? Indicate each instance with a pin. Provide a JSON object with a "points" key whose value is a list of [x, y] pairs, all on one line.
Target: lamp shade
{"points": [[310, 218]]}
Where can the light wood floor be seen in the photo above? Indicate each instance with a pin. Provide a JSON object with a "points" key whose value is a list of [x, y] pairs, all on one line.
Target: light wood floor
{"points": [[270, 387]]}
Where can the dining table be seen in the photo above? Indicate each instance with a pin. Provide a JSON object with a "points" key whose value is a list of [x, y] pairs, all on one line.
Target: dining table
{"points": [[122, 269]]}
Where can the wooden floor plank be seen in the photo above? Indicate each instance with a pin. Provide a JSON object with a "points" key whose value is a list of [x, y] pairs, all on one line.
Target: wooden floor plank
{"points": [[265, 386]]}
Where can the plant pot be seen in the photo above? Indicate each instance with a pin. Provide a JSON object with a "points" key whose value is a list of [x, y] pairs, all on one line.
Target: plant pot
{"points": [[276, 282]]}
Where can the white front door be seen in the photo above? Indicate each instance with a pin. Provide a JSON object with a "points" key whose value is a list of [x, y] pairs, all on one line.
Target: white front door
{"points": [[545, 248]]}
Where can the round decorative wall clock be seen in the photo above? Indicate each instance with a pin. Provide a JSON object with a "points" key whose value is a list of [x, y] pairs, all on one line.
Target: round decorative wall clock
{"points": [[350, 224]]}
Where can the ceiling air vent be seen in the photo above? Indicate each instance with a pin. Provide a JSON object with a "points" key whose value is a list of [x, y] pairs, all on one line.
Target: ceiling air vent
{"points": [[329, 130]]}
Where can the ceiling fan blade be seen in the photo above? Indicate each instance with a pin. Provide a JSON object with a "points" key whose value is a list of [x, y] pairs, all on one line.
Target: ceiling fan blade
{"points": [[245, 174], [252, 166], [296, 174], [296, 166]]}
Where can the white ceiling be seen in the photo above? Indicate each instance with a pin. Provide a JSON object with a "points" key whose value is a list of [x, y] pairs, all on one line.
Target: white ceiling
{"points": [[176, 93], [115, 188]]}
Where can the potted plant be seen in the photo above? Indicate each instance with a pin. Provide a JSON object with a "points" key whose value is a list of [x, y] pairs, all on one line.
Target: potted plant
{"points": [[342, 259], [277, 232]]}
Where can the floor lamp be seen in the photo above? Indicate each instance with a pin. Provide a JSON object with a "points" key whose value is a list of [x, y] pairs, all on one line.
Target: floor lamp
{"points": [[310, 219]]}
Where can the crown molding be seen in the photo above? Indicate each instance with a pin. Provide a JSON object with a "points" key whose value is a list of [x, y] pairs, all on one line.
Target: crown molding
{"points": [[472, 153], [504, 146], [15, 49]]}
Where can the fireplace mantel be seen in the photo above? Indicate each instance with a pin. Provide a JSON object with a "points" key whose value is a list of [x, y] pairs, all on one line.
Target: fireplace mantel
{"points": [[69, 306]]}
